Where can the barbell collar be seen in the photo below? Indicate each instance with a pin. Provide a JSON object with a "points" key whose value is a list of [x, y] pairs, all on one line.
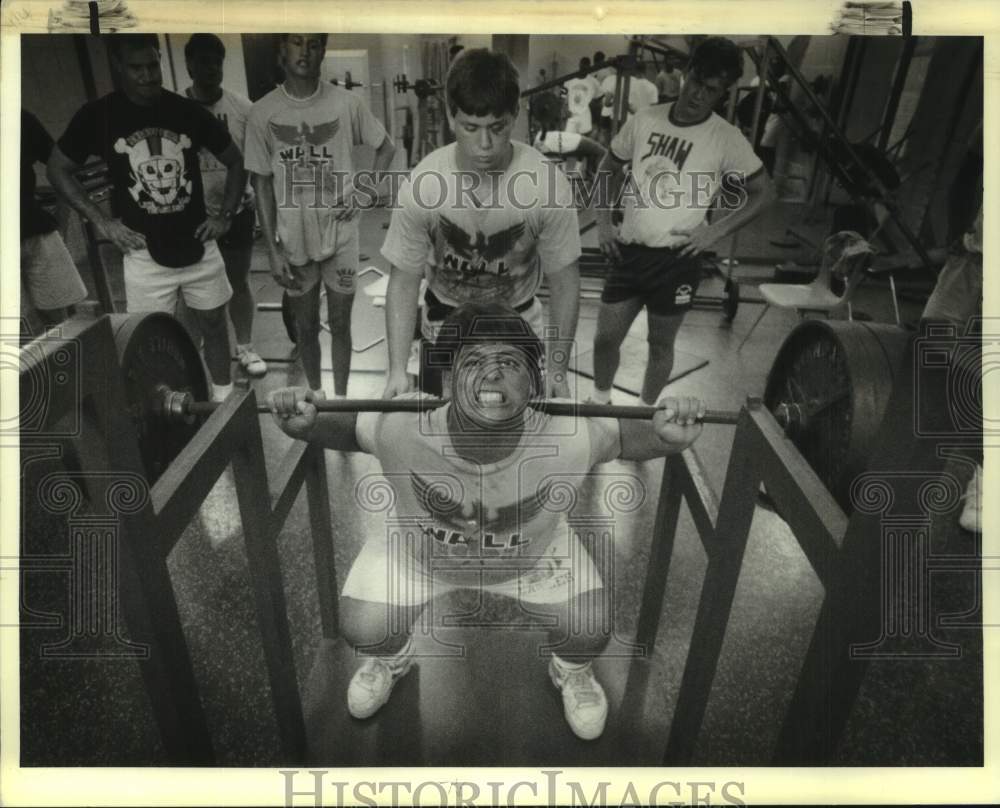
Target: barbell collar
{"points": [[181, 405]]}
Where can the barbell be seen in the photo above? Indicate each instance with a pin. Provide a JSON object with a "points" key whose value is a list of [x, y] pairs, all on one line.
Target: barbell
{"points": [[182, 407], [828, 389]]}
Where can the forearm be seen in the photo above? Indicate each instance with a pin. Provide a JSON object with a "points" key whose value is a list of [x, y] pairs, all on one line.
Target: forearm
{"points": [[236, 181], [401, 308], [75, 195], [641, 442], [61, 215], [267, 214], [564, 311], [757, 199], [383, 156], [610, 176], [330, 430]]}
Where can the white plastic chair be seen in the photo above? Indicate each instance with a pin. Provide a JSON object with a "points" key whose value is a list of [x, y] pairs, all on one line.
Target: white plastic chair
{"points": [[846, 255]]}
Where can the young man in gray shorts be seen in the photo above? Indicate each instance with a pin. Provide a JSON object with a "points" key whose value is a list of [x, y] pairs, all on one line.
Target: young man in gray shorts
{"points": [[299, 142]]}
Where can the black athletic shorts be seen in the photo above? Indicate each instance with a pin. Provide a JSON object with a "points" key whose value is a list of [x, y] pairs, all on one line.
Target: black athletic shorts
{"points": [[240, 233], [659, 276]]}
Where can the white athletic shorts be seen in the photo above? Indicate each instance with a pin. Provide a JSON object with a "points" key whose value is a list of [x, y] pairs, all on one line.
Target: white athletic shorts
{"points": [[150, 286], [48, 273], [383, 573]]}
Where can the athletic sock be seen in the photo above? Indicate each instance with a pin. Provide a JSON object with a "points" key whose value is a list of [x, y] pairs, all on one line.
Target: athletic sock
{"points": [[220, 392], [599, 396], [569, 667]]}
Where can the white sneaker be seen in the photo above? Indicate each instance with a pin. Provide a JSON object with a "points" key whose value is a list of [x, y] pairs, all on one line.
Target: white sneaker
{"points": [[972, 514], [372, 683], [251, 362], [584, 703]]}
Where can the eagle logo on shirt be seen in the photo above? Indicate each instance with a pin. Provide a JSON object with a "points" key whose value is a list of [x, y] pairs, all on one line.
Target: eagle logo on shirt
{"points": [[305, 143], [473, 255], [456, 523]]}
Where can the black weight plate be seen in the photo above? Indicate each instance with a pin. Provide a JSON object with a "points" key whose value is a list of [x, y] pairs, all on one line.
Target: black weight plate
{"points": [[154, 349]]}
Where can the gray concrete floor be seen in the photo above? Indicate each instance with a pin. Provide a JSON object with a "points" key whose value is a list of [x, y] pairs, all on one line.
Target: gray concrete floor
{"points": [[914, 713]]}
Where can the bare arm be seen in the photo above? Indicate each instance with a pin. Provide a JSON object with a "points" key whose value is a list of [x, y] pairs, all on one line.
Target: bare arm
{"points": [[383, 155], [564, 310], [216, 226], [267, 214], [610, 176], [672, 429], [61, 172], [295, 413], [401, 307], [758, 193], [591, 148]]}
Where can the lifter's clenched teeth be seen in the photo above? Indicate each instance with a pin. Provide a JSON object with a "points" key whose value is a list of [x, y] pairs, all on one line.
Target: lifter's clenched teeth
{"points": [[490, 397]]}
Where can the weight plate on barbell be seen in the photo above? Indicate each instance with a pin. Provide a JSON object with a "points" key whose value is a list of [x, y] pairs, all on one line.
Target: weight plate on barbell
{"points": [[153, 349], [842, 373]]}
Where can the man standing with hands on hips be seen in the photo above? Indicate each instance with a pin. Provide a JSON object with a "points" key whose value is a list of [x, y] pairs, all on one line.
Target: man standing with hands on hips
{"points": [[150, 139], [683, 158]]}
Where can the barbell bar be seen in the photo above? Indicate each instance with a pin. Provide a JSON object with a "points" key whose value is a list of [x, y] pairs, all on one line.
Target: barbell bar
{"points": [[182, 407]]}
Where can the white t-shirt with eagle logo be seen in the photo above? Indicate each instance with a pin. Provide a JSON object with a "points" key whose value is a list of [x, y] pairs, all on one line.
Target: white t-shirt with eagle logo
{"points": [[305, 145], [678, 170], [232, 110], [499, 518], [493, 250]]}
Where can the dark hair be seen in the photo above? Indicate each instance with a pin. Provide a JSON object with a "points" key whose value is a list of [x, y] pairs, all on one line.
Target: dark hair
{"points": [[584, 62], [598, 57], [283, 37], [717, 56], [118, 43], [484, 323], [483, 82], [204, 43], [454, 50], [546, 109]]}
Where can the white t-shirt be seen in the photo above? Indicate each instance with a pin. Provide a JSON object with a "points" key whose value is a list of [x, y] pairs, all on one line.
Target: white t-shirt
{"points": [[232, 109], [492, 250], [558, 142], [305, 144], [579, 93], [501, 515], [668, 84], [642, 93], [677, 170]]}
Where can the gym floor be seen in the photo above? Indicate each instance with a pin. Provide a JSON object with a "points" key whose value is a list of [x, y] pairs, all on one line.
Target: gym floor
{"points": [[494, 705]]}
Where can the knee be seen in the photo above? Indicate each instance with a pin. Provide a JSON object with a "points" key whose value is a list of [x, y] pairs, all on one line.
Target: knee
{"points": [[212, 321], [660, 348], [379, 627], [307, 326], [606, 340], [240, 283]]}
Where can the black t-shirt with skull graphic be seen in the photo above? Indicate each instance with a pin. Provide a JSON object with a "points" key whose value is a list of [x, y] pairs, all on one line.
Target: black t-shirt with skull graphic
{"points": [[152, 156]]}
